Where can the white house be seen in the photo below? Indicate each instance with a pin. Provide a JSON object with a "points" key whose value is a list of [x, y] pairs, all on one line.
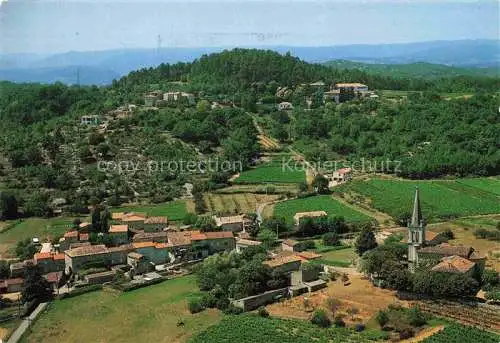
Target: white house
{"points": [[283, 106]]}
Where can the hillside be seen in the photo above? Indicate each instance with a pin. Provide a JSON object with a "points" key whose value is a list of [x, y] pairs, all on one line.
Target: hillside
{"points": [[414, 70]]}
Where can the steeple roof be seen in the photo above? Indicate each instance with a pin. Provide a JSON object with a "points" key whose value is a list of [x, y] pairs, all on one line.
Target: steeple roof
{"points": [[416, 217]]}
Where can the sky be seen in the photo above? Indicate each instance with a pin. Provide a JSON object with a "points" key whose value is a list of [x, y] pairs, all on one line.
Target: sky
{"points": [[54, 26]]}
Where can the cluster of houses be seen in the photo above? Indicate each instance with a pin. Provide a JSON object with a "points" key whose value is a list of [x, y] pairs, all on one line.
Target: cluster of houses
{"points": [[142, 244], [159, 99]]}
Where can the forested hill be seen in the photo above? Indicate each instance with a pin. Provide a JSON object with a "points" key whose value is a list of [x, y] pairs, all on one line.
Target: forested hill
{"points": [[236, 70]]}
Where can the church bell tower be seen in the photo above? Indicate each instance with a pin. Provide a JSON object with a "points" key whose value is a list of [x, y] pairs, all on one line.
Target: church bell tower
{"points": [[416, 233]]}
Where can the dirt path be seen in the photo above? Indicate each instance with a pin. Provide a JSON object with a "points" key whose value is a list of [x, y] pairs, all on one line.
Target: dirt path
{"points": [[424, 334]]}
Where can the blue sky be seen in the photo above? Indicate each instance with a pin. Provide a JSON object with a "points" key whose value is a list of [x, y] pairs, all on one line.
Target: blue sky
{"points": [[50, 26]]}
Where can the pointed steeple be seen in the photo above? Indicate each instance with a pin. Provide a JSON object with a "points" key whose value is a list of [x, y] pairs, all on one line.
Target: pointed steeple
{"points": [[416, 217]]}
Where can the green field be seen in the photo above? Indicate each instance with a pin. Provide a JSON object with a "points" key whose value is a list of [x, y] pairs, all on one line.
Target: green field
{"points": [[491, 185], [456, 333], [148, 314], [439, 199], [250, 328], [272, 172], [32, 227], [174, 210], [287, 209]]}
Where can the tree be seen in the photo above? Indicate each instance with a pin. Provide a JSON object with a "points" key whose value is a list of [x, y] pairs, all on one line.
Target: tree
{"points": [[4, 270], [8, 206], [25, 249], [382, 318], [203, 106], [366, 240], [96, 219], [321, 319], [267, 237], [35, 287], [320, 184], [331, 239]]}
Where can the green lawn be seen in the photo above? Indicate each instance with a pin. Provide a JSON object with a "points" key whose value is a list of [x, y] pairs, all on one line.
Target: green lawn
{"points": [[174, 210], [148, 314], [272, 172], [287, 209], [33, 227], [439, 199], [250, 328]]}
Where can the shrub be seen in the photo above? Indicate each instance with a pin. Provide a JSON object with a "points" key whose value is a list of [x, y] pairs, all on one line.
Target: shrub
{"points": [[339, 321], [331, 239], [208, 300], [382, 318], [195, 306], [231, 309], [321, 319], [359, 327], [416, 317], [263, 312], [304, 245], [406, 333], [448, 234]]}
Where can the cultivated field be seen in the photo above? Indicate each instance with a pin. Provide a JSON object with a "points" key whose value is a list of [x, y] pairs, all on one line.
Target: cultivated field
{"points": [[250, 328], [236, 203], [272, 172], [488, 184], [44, 229], [148, 314], [260, 188], [174, 210], [287, 209], [439, 199]]}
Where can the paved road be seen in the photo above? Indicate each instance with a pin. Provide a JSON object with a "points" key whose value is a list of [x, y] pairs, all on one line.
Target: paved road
{"points": [[25, 324]]}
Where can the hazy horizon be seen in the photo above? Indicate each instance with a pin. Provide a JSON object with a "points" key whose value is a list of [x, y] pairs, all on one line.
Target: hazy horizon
{"points": [[49, 27]]}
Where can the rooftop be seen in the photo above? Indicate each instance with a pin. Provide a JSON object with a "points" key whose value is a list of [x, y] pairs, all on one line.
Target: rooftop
{"points": [[308, 255], [87, 250], [149, 235], [135, 255], [290, 242], [71, 234], [228, 220], [243, 241], [281, 260], [138, 245], [156, 220], [453, 264], [118, 228], [211, 235], [348, 84], [448, 250], [180, 238]]}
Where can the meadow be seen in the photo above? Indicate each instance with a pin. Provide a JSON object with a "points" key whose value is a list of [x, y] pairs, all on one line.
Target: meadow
{"points": [[272, 172], [254, 329], [287, 209], [174, 210], [148, 314], [44, 229], [439, 199]]}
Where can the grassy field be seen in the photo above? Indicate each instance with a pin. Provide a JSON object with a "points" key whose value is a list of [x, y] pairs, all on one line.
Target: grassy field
{"points": [[440, 199], [487, 184], [145, 315], [235, 203], [271, 172], [32, 227], [340, 257], [254, 329], [287, 209], [174, 210]]}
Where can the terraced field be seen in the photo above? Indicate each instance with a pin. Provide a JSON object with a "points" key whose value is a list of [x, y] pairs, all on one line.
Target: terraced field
{"points": [[271, 172], [236, 203], [440, 199]]}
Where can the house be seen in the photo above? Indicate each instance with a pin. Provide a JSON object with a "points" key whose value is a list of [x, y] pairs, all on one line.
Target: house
{"points": [[17, 268], [118, 234], [313, 214], [356, 87], [231, 223], [158, 237], [285, 106], [341, 175], [208, 243], [89, 120], [154, 224], [455, 264], [78, 258], [49, 262], [318, 84], [155, 253], [11, 285], [242, 244], [307, 256], [72, 237], [285, 263], [332, 95], [138, 263], [54, 279], [134, 220], [289, 245]]}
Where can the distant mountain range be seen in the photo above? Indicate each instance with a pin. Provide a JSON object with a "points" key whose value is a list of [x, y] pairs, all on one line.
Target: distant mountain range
{"points": [[101, 67]]}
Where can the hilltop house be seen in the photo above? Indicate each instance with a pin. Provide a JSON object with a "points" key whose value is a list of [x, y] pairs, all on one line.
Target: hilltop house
{"points": [[89, 120], [313, 214], [355, 86]]}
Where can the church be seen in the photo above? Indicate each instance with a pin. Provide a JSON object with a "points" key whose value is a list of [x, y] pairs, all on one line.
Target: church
{"points": [[428, 249]]}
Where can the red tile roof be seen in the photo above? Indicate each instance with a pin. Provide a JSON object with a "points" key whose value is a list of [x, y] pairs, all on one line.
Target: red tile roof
{"points": [[43, 256], [59, 256], [118, 228], [211, 235], [453, 264], [138, 245], [71, 234]]}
